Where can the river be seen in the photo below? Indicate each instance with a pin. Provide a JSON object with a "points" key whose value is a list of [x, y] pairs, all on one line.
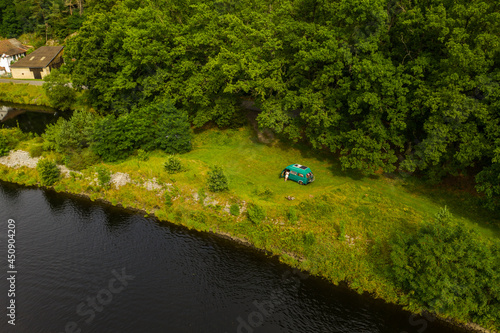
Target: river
{"points": [[29, 118], [82, 266]]}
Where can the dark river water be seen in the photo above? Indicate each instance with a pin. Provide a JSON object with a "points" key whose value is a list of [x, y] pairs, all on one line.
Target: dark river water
{"points": [[87, 267], [28, 117]]}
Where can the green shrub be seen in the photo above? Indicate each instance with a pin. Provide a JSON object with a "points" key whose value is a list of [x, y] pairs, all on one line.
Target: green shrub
{"points": [[488, 182], [9, 138], [80, 160], [449, 270], [173, 165], [235, 209], [256, 213], [70, 135], [59, 91], [103, 176], [35, 150], [157, 126], [217, 180], [48, 171], [142, 155], [4, 146]]}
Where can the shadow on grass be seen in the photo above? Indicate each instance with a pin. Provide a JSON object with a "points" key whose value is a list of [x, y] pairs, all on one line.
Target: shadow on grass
{"points": [[460, 203]]}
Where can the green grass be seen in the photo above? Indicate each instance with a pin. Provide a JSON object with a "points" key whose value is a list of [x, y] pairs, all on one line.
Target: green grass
{"points": [[23, 94], [339, 227]]}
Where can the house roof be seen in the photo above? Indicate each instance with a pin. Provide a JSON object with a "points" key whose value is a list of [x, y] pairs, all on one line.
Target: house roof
{"points": [[39, 58], [11, 47]]}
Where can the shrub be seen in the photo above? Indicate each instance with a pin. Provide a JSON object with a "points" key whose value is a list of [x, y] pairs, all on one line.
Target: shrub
{"points": [[449, 270], [235, 209], [157, 126], [217, 180], [103, 176], [173, 165], [70, 135], [172, 130], [256, 213], [35, 150], [48, 171], [9, 138], [488, 182], [80, 160], [113, 139], [142, 155], [57, 87], [4, 146]]}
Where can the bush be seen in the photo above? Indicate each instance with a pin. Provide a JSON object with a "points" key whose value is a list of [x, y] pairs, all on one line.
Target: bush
{"points": [[173, 165], [142, 155], [488, 182], [449, 270], [80, 160], [35, 150], [70, 135], [158, 126], [103, 176], [172, 131], [256, 213], [234, 209], [9, 138], [48, 171], [57, 87], [4, 146], [217, 180]]}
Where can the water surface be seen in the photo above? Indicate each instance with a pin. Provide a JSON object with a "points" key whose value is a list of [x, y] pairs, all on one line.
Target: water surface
{"points": [[71, 254]]}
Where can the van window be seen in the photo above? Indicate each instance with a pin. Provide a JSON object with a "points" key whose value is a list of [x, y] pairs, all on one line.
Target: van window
{"points": [[293, 173], [301, 175]]}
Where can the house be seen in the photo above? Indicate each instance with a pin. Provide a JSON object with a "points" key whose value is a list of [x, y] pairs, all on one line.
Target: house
{"points": [[38, 64], [10, 50]]}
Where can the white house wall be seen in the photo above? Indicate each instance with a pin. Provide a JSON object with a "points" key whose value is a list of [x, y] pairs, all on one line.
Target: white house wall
{"points": [[6, 60]]}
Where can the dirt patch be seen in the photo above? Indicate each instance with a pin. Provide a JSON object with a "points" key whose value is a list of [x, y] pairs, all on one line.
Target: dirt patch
{"points": [[19, 158], [119, 179]]}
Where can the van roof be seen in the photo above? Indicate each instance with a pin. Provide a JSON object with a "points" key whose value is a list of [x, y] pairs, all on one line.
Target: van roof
{"points": [[298, 167]]}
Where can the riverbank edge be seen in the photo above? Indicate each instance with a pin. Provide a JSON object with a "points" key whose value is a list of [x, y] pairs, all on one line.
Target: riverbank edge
{"points": [[242, 241]]}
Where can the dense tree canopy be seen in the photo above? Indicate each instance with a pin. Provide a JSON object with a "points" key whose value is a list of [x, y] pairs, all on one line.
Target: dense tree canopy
{"points": [[52, 19]]}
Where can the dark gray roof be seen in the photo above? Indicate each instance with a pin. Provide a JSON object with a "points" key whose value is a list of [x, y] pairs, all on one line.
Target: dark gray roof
{"points": [[39, 58]]}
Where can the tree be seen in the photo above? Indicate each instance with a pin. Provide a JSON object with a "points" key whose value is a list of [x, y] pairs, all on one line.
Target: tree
{"points": [[449, 270], [217, 180], [57, 87]]}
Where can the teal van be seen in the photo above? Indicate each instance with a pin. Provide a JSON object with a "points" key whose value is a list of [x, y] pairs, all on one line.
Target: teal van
{"points": [[298, 173]]}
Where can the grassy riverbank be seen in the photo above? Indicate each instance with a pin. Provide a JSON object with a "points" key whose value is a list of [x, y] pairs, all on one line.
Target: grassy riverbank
{"points": [[338, 227], [23, 94]]}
